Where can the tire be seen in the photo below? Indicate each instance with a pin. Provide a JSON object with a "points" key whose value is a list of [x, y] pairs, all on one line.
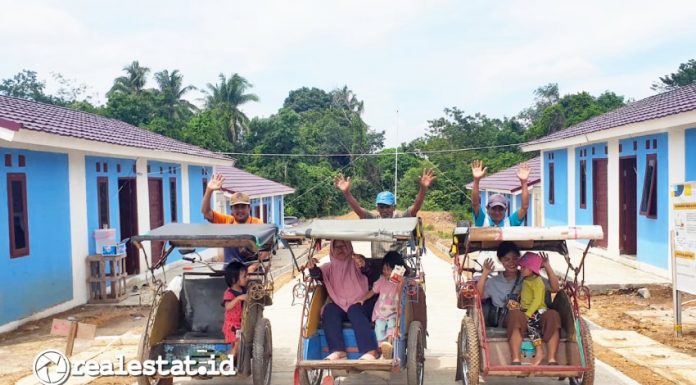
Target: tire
{"points": [[415, 355], [588, 376], [468, 353], [311, 377], [261, 357], [144, 354]]}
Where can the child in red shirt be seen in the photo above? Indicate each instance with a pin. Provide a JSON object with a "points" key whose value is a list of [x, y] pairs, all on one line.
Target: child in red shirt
{"points": [[233, 301]]}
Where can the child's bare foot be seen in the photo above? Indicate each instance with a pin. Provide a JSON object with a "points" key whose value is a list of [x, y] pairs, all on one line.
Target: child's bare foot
{"points": [[371, 355], [336, 356]]}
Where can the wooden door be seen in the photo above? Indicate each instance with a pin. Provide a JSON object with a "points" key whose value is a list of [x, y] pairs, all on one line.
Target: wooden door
{"points": [[156, 214], [628, 206], [600, 212], [128, 218]]}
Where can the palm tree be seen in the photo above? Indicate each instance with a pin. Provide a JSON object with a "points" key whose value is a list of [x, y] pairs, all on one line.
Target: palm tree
{"points": [[172, 93], [133, 82], [228, 95]]}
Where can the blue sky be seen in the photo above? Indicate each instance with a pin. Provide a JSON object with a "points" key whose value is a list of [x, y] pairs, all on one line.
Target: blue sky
{"points": [[416, 57]]}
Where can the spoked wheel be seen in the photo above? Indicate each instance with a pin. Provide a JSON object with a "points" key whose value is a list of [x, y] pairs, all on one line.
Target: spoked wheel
{"points": [[311, 377], [261, 359], [415, 355], [468, 354], [144, 354], [588, 376]]}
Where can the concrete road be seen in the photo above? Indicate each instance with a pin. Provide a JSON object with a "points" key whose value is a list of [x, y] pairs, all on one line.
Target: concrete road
{"points": [[444, 319]]}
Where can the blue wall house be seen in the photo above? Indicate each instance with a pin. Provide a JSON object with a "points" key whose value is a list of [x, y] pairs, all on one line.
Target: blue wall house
{"points": [[506, 183], [267, 197], [615, 170], [66, 174]]}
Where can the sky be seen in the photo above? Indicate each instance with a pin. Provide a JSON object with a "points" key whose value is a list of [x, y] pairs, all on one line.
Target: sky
{"points": [[407, 60]]}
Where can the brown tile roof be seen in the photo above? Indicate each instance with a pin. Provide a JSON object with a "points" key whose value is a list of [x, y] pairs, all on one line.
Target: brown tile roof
{"points": [[506, 180], [653, 107], [62, 121], [237, 180]]}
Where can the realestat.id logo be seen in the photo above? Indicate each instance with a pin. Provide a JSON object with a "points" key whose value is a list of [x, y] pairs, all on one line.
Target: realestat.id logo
{"points": [[51, 367]]}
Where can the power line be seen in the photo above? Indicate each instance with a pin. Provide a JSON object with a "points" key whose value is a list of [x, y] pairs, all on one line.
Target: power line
{"points": [[369, 154]]}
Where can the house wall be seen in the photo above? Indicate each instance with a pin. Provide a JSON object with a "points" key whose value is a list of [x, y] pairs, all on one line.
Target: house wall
{"points": [[109, 168], [556, 214], [196, 175], [42, 279], [690, 152], [584, 216], [652, 234]]}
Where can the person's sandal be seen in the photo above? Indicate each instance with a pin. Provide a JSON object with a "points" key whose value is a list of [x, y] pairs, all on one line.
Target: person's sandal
{"points": [[387, 350], [368, 357], [335, 356]]}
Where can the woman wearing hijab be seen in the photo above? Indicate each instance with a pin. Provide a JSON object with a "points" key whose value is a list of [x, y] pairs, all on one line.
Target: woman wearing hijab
{"points": [[346, 286]]}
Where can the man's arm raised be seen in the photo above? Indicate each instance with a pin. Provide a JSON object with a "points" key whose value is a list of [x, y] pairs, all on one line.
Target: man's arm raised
{"points": [[343, 184], [214, 185], [426, 179]]}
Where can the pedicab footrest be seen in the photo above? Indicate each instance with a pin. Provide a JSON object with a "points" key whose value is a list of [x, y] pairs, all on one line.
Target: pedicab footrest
{"points": [[360, 365]]}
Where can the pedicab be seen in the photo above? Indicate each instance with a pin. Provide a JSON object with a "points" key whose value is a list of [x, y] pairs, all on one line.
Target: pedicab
{"points": [[483, 350], [409, 335], [187, 315]]}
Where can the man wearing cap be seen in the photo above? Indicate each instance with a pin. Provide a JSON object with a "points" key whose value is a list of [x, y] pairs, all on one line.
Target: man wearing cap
{"points": [[496, 209], [386, 208], [241, 211]]}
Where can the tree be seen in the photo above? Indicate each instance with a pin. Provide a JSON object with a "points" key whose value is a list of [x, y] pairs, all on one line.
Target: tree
{"points": [[306, 99], [685, 75], [544, 97], [25, 85], [228, 96], [133, 82], [171, 95]]}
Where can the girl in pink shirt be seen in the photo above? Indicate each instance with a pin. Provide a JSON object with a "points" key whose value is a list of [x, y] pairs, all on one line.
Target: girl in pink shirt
{"points": [[233, 301]]}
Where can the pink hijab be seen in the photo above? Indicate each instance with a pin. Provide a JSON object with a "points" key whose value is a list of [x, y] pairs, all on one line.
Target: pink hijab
{"points": [[344, 281]]}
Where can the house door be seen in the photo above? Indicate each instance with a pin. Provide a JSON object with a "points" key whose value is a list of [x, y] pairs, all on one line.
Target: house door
{"points": [[600, 212], [627, 206], [128, 217], [156, 214]]}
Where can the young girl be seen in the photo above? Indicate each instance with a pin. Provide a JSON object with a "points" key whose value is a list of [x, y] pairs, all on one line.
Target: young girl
{"points": [[532, 299], [384, 313], [233, 300]]}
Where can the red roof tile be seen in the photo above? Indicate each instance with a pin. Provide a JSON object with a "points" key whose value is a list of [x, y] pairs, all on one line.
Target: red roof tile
{"points": [[653, 107], [506, 180], [237, 180], [63, 121]]}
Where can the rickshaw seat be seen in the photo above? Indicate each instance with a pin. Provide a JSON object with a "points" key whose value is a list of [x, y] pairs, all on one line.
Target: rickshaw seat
{"points": [[201, 304], [187, 335]]}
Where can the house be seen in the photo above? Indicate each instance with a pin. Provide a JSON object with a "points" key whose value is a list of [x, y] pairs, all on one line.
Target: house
{"points": [[615, 170], [506, 183], [67, 173], [267, 196]]}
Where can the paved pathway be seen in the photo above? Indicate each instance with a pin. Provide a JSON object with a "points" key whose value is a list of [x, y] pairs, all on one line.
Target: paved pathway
{"points": [[444, 318]]}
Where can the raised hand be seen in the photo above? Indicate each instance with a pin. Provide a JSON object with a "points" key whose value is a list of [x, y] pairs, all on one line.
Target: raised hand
{"points": [[342, 182], [523, 172], [427, 178], [545, 260], [216, 183], [477, 169], [488, 266]]}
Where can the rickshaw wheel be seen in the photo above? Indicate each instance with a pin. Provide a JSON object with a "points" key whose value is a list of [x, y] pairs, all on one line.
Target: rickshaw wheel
{"points": [[415, 355], [262, 362], [311, 377], [468, 353], [144, 355], [588, 376]]}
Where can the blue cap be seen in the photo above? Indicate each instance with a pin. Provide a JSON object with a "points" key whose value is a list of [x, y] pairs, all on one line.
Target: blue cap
{"points": [[385, 198]]}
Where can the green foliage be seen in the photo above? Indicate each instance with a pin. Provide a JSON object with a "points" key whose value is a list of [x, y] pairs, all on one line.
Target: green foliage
{"points": [[306, 99], [228, 96], [685, 75], [25, 85]]}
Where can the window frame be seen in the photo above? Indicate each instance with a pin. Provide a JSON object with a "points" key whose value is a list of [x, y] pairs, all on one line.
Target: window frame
{"points": [[648, 200], [14, 177], [173, 203], [552, 184], [583, 184], [103, 180]]}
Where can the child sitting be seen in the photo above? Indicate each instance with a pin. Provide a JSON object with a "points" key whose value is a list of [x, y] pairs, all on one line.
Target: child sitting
{"points": [[233, 301], [384, 313], [532, 299]]}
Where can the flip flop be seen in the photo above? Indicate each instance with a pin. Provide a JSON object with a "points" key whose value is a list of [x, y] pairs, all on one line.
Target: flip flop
{"points": [[368, 357], [554, 363], [335, 356], [516, 363]]}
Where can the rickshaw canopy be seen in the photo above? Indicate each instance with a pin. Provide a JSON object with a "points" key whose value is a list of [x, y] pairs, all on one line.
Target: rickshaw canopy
{"points": [[471, 239], [252, 237], [370, 230]]}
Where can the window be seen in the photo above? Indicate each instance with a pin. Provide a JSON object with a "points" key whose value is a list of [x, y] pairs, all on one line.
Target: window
{"points": [[648, 202], [103, 201], [172, 199], [552, 189], [583, 184], [18, 216]]}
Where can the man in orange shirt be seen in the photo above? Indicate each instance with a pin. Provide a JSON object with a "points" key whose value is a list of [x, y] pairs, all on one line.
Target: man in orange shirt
{"points": [[241, 211]]}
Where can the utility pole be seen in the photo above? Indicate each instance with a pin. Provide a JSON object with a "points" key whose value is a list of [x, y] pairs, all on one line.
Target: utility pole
{"points": [[396, 158]]}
